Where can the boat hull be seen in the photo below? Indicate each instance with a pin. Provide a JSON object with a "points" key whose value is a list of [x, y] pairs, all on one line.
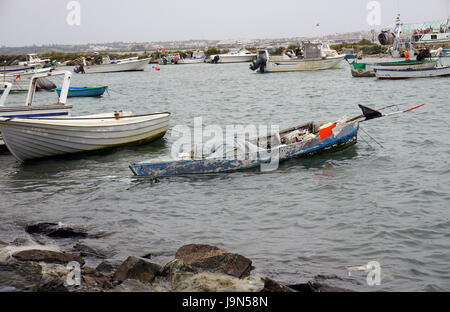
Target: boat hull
{"points": [[346, 137], [33, 111], [79, 92], [368, 70], [47, 137], [304, 65], [413, 73], [133, 65], [223, 58]]}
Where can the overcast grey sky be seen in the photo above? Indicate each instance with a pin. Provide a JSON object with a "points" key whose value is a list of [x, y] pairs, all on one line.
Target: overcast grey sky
{"points": [[44, 21]]}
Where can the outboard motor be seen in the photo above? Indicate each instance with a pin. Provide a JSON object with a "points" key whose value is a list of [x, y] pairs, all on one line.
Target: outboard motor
{"points": [[423, 53], [44, 84], [215, 60], [386, 37], [260, 62]]}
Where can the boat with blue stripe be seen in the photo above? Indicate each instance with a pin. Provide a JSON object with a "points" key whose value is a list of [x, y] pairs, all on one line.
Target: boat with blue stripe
{"points": [[264, 151], [30, 111], [84, 91]]}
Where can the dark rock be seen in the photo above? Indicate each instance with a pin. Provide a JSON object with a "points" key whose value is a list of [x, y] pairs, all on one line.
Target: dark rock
{"points": [[213, 259], [22, 276], [86, 251], [147, 256], [314, 286], [51, 284], [94, 280], [48, 256], [193, 252], [274, 286], [137, 268], [105, 267], [55, 230]]}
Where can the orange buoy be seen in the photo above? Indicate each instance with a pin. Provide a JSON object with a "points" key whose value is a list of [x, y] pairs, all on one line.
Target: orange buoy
{"points": [[157, 68]]}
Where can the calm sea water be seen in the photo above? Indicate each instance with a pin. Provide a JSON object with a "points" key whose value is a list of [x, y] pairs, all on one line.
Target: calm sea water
{"points": [[312, 216]]}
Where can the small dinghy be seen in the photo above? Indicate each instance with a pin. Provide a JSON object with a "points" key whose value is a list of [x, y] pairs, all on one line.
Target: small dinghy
{"points": [[84, 91], [264, 151], [443, 71]]}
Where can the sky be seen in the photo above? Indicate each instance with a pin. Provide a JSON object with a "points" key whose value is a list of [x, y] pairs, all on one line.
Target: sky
{"points": [[28, 22]]}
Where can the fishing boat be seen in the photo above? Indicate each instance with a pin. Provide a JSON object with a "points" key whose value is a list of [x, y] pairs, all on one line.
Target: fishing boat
{"points": [[197, 57], [264, 151], [440, 52], [108, 65], [32, 138], [84, 91], [435, 32], [238, 56], [28, 110], [33, 59], [382, 73], [360, 69], [314, 56]]}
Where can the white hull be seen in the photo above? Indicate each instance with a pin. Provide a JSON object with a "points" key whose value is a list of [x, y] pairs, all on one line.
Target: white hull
{"points": [[191, 61], [415, 66], [283, 65], [412, 73], [45, 137], [133, 65]]}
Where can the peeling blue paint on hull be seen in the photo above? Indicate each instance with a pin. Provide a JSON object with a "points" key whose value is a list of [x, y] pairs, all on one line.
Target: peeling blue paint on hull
{"points": [[152, 168]]}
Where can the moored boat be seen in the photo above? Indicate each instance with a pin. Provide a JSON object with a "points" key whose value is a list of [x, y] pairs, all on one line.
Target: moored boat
{"points": [[361, 69], [382, 73], [84, 91], [264, 151], [297, 141], [315, 56], [108, 66], [238, 56], [31, 138], [28, 110]]}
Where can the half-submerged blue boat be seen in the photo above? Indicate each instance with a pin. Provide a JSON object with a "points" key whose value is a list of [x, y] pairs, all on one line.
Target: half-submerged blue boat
{"points": [[84, 91], [263, 151]]}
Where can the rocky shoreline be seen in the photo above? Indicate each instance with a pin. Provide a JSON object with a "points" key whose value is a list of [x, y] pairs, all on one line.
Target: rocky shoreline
{"points": [[28, 264]]}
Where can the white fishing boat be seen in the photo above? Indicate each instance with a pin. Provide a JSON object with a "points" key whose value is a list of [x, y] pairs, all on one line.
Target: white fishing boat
{"points": [[28, 137], [239, 56], [443, 71], [196, 58], [437, 33], [108, 65], [33, 59], [315, 56], [28, 110]]}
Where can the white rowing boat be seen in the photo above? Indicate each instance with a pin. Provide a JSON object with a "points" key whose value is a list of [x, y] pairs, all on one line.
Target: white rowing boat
{"points": [[30, 138], [412, 73]]}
